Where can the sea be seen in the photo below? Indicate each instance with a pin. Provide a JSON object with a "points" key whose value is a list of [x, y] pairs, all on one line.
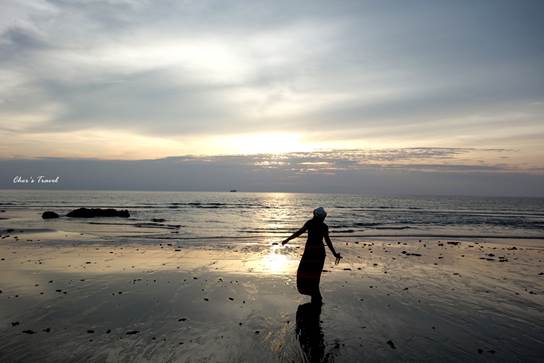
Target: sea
{"points": [[215, 217]]}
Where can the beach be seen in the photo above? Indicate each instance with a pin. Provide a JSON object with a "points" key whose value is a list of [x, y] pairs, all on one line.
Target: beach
{"points": [[73, 299], [271, 181]]}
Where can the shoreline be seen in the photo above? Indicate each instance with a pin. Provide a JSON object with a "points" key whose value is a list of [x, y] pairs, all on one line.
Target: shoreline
{"points": [[106, 301]]}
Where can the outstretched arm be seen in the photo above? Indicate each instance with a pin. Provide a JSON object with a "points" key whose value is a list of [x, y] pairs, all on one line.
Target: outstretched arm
{"points": [[295, 235], [329, 244]]}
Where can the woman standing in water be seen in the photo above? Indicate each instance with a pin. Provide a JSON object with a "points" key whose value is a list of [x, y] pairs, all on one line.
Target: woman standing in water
{"points": [[313, 258]]}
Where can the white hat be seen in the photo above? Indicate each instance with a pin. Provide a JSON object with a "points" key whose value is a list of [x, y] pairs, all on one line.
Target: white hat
{"points": [[320, 213]]}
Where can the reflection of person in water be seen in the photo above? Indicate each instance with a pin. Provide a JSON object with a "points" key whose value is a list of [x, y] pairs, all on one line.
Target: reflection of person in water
{"points": [[309, 333], [313, 258]]}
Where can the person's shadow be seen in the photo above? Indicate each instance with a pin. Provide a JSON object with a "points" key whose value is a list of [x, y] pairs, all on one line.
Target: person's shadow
{"points": [[310, 334]]}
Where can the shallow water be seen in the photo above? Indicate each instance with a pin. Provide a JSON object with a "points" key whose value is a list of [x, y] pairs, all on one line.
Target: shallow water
{"points": [[239, 304]]}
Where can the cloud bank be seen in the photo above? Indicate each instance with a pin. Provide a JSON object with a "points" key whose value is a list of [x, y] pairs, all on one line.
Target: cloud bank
{"points": [[428, 171]]}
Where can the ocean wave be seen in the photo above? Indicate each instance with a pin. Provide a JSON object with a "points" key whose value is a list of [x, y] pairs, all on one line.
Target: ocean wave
{"points": [[367, 224]]}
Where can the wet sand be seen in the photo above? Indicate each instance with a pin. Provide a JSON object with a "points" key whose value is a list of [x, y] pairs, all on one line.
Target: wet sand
{"points": [[65, 297]]}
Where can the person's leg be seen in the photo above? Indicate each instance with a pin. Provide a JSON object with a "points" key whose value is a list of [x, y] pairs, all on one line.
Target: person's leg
{"points": [[316, 296], [316, 293]]}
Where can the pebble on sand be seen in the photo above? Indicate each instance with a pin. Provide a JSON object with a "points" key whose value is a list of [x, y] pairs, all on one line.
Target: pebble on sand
{"points": [[391, 344]]}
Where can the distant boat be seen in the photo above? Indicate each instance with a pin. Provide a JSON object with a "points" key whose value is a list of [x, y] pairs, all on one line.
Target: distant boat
{"points": [[233, 190]]}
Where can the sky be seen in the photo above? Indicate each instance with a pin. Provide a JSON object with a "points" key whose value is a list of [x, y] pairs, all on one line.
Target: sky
{"points": [[448, 93]]}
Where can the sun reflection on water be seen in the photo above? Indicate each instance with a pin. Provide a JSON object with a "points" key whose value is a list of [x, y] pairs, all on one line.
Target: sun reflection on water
{"points": [[277, 262]]}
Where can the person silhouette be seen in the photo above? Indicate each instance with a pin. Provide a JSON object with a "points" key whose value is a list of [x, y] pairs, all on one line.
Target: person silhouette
{"points": [[313, 258]]}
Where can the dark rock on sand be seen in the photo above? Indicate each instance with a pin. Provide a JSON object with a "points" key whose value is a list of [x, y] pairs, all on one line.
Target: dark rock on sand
{"points": [[410, 254], [49, 215], [132, 332], [29, 331], [98, 212], [46, 330], [391, 344], [158, 220], [14, 323]]}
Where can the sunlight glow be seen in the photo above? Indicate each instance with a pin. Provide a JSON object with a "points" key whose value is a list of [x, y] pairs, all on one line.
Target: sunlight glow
{"points": [[273, 142], [276, 262]]}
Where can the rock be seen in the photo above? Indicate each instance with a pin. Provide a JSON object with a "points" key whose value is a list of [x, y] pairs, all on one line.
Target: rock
{"points": [[46, 330], [14, 323], [132, 332], [98, 212], [410, 254], [452, 243], [29, 331], [391, 344], [158, 220], [49, 215]]}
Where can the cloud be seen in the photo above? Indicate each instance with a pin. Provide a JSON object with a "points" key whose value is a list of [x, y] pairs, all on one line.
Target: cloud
{"points": [[425, 159], [349, 74], [393, 171]]}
